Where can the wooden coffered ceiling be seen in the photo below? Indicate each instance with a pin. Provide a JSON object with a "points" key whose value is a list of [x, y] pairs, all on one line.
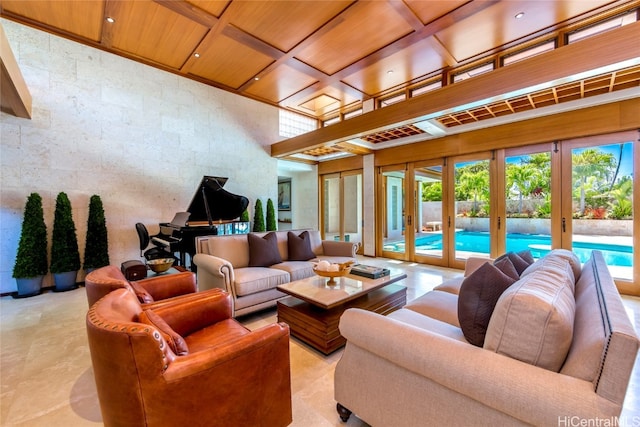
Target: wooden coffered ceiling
{"points": [[324, 58]]}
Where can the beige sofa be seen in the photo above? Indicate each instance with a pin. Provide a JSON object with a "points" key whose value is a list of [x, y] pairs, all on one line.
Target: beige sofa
{"points": [[415, 367], [223, 262]]}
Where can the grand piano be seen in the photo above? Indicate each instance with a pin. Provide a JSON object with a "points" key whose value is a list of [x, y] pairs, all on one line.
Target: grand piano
{"points": [[213, 210]]}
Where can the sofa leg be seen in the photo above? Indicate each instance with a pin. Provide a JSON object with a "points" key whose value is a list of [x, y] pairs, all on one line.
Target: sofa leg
{"points": [[343, 412]]}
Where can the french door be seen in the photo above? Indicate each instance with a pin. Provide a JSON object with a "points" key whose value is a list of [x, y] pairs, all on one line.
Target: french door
{"points": [[341, 206], [393, 196], [598, 207], [470, 222], [414, 211], [430, 210]]}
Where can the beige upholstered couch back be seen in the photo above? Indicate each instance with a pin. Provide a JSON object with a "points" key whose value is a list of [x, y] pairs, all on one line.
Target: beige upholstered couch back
{"points": [[235, 247]]}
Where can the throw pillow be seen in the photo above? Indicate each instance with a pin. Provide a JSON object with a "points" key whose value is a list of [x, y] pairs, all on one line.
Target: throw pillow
{"points": [[299, 246], [526, 256], [478, 296], [533, 320], [142, 294], [506, 266], [263, 251], [519, 263], [173, 339]]}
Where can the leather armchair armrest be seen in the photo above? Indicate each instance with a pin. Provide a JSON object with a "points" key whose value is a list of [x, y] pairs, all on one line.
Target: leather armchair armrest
{"points": [[194, 312], [171, 285], [214, 272], [212, 361], [335, 248]]}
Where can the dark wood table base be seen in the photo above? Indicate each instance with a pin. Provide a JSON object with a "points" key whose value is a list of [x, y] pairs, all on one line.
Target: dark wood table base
{"points": [[319, 327]]}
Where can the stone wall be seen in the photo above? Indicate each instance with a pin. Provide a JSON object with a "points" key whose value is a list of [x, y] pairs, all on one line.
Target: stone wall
{"points": [[138, 137]]}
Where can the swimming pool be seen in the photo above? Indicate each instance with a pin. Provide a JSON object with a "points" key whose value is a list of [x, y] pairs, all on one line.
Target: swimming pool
{"points": [[474, 241]]}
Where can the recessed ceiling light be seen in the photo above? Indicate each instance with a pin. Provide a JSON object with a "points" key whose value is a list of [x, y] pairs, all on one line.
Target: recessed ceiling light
{"points": [[519, 15], [110, 20], [256, 78], [197, 55], [390, 72]]}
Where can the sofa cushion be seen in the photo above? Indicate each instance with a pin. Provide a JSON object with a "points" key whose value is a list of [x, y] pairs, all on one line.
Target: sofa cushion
{"points": [[297, 269], [250, 280], [505, 265], [438, 305], [263, 251], [478, 296], [554, 264], [558, 257], [427, 323], [452, 286], [533, 320], [173, 339], [299, 247]]}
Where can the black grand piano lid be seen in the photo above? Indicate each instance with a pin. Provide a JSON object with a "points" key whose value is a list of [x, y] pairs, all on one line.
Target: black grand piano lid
{"points": [[222, 205]]}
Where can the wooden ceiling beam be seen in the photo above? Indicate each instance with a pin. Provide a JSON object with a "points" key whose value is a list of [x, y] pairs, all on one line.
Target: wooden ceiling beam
{"points": [[190, 11], [598, 51], [15, 97], [418, 35]]}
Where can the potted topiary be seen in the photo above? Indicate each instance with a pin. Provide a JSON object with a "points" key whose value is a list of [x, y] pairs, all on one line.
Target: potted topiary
{"points": [[65, 257], [96, 248], [271, 216], [31, 259], [258, 217]]}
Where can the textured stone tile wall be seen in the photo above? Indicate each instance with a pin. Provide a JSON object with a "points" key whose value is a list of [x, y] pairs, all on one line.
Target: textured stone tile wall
{"points": [[139, 137]]}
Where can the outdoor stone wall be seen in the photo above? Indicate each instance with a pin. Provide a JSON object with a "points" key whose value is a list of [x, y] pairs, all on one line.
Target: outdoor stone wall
{"points": [[432, 211], [139, 137]]}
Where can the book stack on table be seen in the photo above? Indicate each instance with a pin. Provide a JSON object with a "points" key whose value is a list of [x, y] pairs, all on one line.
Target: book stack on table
{"points": [[369, 271]]}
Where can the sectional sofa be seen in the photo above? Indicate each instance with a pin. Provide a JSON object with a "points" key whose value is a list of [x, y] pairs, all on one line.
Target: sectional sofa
{"points": [[250, 266], [558, 349]]}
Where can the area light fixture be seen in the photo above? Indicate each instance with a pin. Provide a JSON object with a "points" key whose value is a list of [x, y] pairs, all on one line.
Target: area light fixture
{"points": [[519, 15]]}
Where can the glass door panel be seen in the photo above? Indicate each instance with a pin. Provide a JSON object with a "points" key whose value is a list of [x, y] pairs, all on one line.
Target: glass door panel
{"points": [[352, 212], [393, 242], [331, 211], [528, 201], [471, 234], [342, 215], [428, 213], [598, 204]]}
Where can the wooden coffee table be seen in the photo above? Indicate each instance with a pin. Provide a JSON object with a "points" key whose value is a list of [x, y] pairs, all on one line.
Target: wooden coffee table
{"points": [[314, 308]]}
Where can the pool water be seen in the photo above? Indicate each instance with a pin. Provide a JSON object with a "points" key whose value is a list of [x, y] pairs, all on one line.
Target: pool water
{"points": [[539, 245]]}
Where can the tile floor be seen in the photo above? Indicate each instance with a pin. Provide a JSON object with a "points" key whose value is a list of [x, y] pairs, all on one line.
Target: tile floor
{"points": [[45, 368]]}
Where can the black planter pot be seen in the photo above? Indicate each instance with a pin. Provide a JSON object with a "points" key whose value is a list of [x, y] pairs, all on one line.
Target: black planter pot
{"points": [[28, 287], [65, 281]]}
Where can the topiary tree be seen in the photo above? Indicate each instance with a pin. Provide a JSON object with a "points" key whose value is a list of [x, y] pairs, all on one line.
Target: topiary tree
{"points": [[31, 259], [65, 256], [271, 216], [245, 216], [258, 217], [96, 248]]}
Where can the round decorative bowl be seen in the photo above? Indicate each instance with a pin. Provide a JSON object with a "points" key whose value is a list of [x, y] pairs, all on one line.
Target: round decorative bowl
{"points": [[343, 270], [160, 265]]}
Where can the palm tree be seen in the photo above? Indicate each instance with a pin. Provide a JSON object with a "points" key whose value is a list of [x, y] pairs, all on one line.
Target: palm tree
{"points": [[475, 184], [522, 178], [590, 163]]}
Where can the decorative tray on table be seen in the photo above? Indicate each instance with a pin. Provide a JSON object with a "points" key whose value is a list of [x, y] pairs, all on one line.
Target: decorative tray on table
{"points": [[326, 269]]}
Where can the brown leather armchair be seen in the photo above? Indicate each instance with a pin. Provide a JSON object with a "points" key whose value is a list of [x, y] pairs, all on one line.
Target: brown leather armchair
{"points": [[226, 375], [103, 280]]}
